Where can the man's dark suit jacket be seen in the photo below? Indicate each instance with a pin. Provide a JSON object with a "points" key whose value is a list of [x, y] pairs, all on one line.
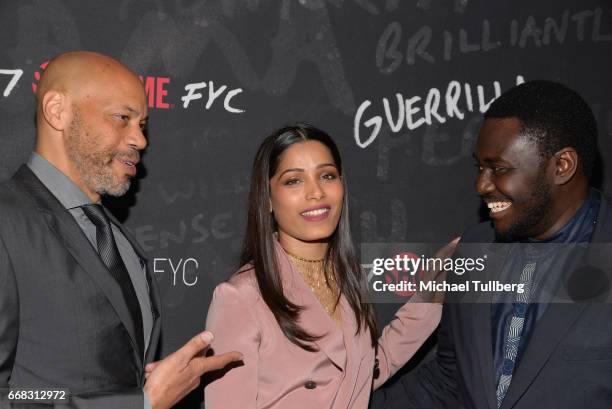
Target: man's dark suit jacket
{"points": [[63, 319], [567, 362]]}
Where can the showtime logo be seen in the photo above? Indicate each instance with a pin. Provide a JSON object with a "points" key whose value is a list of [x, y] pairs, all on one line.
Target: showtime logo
{"points": [[212, 96], [155, 88], [37, 76], [396, 276]]}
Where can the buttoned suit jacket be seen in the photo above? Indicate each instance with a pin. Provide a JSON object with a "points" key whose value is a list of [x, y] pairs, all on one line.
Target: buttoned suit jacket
{"points": [[63, 319], [566, 364]]}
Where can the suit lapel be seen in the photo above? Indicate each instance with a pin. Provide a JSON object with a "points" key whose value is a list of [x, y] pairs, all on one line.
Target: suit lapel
{"points": [[63, 224], [357, 345], [313, 317], [156, 310], [482, 338], [548, 333], [481, 316]]}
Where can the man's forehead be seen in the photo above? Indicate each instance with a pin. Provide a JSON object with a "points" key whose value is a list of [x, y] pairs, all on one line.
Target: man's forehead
{"points": [[503, 138], [113, 81], [118, 92], [500, 128]]}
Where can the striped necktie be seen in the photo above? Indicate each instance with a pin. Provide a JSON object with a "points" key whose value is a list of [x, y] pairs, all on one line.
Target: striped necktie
{"points": [[109, 253], [515, 330]]}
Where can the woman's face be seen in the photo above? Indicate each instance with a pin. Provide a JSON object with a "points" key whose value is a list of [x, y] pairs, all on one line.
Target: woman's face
{"points": [[306, 194]]}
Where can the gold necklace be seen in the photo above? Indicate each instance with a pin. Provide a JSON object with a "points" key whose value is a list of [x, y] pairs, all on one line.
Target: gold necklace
{"points": [[324, 288], [293, 256]]}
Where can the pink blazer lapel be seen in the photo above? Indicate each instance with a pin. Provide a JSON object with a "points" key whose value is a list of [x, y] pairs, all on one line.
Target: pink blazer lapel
{"points": [[313, 318], [357, 345]]}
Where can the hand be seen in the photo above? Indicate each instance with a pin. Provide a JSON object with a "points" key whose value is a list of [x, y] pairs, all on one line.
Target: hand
{"points": [[170, 379], [443, 253], [448, 249]]}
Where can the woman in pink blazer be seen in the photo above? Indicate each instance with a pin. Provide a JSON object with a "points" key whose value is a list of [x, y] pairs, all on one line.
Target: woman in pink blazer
{"points": [[296, 309]]}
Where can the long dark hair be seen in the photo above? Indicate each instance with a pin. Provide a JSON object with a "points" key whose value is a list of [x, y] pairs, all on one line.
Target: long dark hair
{"points": [[258, 247]]}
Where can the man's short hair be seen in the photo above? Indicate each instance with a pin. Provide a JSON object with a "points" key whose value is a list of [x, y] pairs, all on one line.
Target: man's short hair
{"points": [[553, 116]]}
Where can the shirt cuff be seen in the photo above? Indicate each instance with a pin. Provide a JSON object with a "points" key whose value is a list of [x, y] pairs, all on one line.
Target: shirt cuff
{"points": [[147, 402]]}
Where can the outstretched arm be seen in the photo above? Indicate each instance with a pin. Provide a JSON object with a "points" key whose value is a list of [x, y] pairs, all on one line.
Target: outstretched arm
{"points": [[402, 337]]}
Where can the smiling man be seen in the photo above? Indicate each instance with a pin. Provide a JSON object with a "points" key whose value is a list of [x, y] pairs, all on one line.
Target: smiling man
{"points": [[79, 309], [512, 180], [534, 154]]}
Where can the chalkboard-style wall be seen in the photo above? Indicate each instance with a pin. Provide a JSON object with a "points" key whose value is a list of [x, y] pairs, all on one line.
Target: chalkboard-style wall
{"points": [[400, 85]]}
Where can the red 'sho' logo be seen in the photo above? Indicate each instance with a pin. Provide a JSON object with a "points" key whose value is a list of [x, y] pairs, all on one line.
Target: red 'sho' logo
{"points": [[396, 276], [37, 75]]}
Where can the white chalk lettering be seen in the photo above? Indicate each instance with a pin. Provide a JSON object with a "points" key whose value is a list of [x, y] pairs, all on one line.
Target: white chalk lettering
{"points": [[214, 93], [414, 112], [16, 75]]}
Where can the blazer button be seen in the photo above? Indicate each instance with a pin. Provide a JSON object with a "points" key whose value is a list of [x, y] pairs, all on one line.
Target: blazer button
{"points": [[376, 369], [310, 385]]}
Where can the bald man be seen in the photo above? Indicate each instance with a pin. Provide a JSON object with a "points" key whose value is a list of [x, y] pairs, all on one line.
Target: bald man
{"points": [[79, 308]]}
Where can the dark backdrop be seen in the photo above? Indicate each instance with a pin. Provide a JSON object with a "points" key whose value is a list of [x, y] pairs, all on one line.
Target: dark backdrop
{"points": [[332, 63]]}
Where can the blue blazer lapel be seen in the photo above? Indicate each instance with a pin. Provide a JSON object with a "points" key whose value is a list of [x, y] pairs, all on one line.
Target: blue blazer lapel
{"points": [[62, 223]]}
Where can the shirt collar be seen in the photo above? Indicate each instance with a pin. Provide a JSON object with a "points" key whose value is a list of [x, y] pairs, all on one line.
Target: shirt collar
{"points": [[581, 226], [64, 189]]}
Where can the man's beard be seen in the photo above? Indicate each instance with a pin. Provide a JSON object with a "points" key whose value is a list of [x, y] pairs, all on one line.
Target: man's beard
{"points": [[94, 166], [536, 211]]}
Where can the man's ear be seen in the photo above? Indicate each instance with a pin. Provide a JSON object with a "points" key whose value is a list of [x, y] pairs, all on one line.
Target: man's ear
{"points": [[56, 109], [566, 165]]}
